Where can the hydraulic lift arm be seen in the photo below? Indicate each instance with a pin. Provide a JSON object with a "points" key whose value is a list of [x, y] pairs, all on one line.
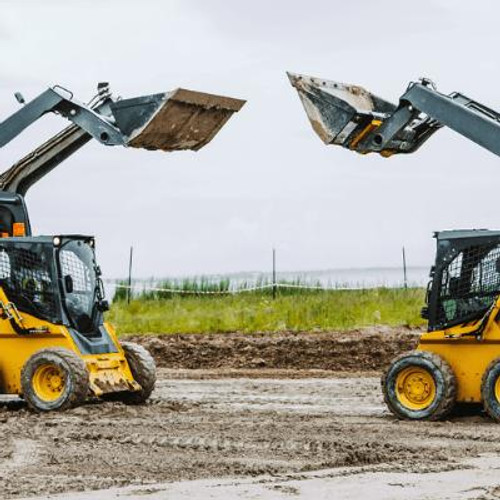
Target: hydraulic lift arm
{"points": [[59, 100], [171, 121], [352, 117], [26, 172], [23, 174]]}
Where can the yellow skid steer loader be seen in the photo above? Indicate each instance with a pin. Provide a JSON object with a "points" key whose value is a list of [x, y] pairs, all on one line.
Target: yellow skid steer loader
{"points": [[458, 358], [55, 347]]}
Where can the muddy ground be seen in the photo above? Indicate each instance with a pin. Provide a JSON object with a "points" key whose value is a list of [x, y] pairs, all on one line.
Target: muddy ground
{"points": [[234, 420]]}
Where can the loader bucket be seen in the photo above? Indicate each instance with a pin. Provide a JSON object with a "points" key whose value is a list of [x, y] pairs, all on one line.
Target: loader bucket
{"points": [[173, 121], [339, 113]]}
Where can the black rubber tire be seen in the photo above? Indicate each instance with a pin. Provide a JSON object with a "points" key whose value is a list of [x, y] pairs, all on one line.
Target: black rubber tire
{"points": [[76, 379], [143, 368], [444, 378], [490, 402]]}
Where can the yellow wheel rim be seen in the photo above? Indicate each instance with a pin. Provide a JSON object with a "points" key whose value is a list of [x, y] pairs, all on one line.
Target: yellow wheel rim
{"points": [[415, 388], [48, 382]]}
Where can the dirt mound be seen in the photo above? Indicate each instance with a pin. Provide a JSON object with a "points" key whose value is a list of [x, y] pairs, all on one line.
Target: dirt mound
{"points": [[359, 350]]}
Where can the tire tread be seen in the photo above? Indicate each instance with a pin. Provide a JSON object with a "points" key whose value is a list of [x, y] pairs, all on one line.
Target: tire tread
{"points": [[448, 401], [486, 394], [143, 369], [80, 379]]}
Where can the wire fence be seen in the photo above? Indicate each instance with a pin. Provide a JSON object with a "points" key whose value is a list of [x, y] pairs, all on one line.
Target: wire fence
{"points": [[226, 286], [142, 288]]}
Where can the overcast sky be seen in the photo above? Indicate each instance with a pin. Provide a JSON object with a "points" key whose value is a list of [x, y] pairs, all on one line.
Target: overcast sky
{"points": [[266, 180]]}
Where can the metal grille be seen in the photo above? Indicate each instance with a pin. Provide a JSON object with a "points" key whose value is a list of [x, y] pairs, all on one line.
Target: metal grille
{"points": [[73, 266], [26, 278], [81, 298], [469, 284]]}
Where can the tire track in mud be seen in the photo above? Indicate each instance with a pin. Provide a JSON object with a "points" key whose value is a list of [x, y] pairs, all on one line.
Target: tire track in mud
{"points": [[215, 445], [17, 453], [307, 396], [25, 452]]}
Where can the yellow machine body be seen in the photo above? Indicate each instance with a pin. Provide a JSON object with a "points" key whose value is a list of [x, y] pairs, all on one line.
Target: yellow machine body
{"points": [[467, 354], [108, 372]]}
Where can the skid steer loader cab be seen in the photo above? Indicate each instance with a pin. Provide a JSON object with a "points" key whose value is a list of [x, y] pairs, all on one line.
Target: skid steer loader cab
{"points": [[55, 279], [465, 278], [56, 347]]}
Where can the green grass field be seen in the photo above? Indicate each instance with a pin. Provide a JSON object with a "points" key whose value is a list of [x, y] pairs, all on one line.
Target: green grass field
{"points": [[257, 312]]}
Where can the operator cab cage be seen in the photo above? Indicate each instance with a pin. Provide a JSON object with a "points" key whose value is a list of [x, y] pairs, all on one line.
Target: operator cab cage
{"points": [[465, 280], [54, 278]]}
